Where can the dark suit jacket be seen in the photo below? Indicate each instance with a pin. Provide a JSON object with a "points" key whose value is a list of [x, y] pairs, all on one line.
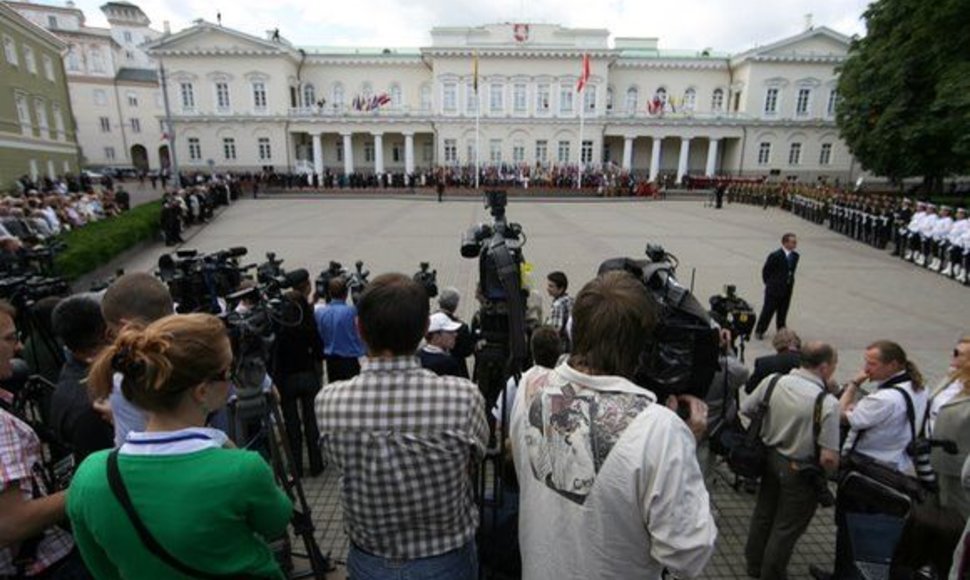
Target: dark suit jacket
{"points": [[768, 365], [775, 273]]}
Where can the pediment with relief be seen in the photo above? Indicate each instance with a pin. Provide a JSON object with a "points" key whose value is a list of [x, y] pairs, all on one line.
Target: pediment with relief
{"points": [[207, 38]]}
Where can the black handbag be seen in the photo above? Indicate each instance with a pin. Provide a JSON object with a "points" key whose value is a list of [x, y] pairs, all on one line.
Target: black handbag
{"points": [[749, 456], [146, 537]]}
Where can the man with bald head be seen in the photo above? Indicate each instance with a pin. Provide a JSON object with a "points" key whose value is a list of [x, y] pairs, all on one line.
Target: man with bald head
{"points": [[789, 492]]}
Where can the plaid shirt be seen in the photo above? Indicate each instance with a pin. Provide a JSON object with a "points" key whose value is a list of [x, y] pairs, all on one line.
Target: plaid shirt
{"points": [[559, 316], [404, 439], [19, 457]]}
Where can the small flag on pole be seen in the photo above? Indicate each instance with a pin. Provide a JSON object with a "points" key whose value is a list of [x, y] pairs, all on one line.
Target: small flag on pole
{"points": [[475, 71], [583, 75]]}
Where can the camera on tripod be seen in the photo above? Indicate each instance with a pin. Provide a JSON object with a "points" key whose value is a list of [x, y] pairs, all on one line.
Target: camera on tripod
{"points": [[427, 278], [733, 313], [684, 355], [356, 280], [490, 243]]}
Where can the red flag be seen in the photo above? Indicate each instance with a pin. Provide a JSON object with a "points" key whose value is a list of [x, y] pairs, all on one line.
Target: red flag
{"points": [[584, 75]]}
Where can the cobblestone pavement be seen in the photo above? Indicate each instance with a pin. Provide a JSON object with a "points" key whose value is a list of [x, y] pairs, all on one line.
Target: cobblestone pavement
{"points": [[846, 293]]}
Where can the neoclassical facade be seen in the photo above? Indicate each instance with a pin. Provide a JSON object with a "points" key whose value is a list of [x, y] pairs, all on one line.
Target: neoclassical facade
{"points": [[240, 102]]}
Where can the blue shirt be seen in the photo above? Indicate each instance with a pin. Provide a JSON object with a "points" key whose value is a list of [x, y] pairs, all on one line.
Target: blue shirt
{"points": [[338, 332]]}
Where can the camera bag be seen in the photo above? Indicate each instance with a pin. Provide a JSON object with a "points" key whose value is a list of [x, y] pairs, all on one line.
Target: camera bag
{"points": [[749, 455]]}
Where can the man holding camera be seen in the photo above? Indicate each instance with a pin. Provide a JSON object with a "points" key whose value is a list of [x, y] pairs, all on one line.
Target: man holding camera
{"points": [[405, 441], [801, 431], [610, 485]]}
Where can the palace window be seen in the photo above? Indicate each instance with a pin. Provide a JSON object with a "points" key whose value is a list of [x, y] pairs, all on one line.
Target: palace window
{"points": [[771, 101], [562, 153], [519, 97], [717, 101], [542, 151], [222, 97], [795, 154], [228, 148], [764, 153], [195, 149], [265, 153], [801, 104], [259, 95], [825, 155], [188, 96]]}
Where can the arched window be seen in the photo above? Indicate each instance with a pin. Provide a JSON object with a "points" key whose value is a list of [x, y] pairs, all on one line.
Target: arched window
{"points": [[338, 95], [309, 95], [717, 101], [632, 96], [395, 94], [690, 99]]}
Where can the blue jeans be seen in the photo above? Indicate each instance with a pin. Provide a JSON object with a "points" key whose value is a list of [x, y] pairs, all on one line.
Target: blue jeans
{"points": [[458, 564]]}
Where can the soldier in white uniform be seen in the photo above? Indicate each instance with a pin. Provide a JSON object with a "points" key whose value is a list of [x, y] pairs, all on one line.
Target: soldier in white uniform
{"points": [[912, 230], [925, 233], [954, 251], [938, 237]]}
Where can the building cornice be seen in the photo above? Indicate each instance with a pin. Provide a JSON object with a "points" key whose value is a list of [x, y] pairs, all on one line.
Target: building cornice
{"points": [[672, 64], [218, 52], [362, 60], [519, 52]]}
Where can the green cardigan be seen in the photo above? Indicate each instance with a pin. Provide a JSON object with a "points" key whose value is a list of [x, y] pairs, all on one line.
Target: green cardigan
{"points": [[207, 508]]}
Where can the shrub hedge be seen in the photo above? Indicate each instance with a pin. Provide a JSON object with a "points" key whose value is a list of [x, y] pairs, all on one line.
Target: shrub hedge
{"points": [[94, 245]]}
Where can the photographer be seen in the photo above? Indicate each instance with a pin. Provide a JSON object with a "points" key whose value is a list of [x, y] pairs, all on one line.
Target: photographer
{"points": [[203, 508], [794, 481], [30, 543], [638, 503]]}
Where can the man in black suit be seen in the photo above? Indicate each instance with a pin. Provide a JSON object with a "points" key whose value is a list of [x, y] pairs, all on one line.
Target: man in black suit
{"points": [[787, 356], [778, 275]]}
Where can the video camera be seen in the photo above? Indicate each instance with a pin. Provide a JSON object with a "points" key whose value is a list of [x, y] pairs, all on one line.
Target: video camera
{"points": [[501, 317], [733, 313], [196, 281], [356, 280], [683, 356], [427, 278]]}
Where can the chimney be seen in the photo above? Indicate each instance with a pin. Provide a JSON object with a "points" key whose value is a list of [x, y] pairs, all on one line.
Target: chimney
{"points": [[808, 21]]}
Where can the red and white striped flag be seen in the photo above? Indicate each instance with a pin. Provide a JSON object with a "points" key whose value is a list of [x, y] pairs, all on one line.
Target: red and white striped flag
{"points": [[584, 75]]}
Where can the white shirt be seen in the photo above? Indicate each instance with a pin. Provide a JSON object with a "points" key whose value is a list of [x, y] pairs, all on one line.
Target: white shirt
{"points": [[916, 220], [958, 230], [928, 224], [942, 398], [610, 485], [942, 227], [882, 415]]}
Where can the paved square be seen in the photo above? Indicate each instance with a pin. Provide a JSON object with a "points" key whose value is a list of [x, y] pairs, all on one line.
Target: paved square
{"points": [[846, 293]]}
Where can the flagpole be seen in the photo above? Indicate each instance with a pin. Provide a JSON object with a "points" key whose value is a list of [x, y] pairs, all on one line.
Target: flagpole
{"points": [[478, 137], [582, 114]]}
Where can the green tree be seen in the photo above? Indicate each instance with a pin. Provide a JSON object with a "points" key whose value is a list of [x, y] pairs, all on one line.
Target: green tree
{"points": [[904, 91]]}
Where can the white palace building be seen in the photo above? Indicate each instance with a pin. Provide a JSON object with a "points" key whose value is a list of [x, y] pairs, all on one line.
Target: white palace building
{"points": [[243, 103]]}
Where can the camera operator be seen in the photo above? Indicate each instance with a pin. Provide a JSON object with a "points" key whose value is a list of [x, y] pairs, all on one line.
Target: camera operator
{"points": [[464, 341], [298, 373], [404, 440], [638, 503], [30, 543], [337, 325], [140, 299], [74, 420], [722, 396], [794, 481], [203, 508]]}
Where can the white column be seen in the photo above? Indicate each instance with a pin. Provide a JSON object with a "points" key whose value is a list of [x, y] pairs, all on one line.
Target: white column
{"points": [[317, 156], [378, 153], [655, 157], [409, 153], [627, 153], [682, 162], [348, 154], [711, 157]]}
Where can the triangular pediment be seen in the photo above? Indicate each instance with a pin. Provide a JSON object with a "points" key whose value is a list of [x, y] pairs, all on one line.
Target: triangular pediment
{"points": [[820, 41], [207, 37]]}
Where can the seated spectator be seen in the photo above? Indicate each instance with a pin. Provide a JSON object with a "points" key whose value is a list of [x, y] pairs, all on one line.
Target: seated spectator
{"points": [[210, 507], [74, 419], [31, 543], [435, 354]]}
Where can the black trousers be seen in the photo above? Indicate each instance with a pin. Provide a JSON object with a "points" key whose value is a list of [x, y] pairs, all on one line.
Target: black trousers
{"points": [[786, 503], [776, 305], [342, 368], [297, 392]]}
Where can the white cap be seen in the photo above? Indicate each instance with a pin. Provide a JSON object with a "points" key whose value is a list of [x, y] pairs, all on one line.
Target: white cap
{"points": [[441, 323]]}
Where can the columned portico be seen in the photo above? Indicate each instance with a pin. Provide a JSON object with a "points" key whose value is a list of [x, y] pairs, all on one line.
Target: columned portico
{"points": [[655, 158], [682, 160], [348, 153], [409, 153], [712, 145]]}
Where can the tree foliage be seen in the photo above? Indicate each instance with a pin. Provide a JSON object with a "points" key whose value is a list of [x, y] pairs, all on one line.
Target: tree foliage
{"points": [[904, 90]]}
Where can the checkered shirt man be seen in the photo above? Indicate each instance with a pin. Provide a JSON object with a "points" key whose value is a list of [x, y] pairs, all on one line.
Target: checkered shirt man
{"points": [[403, 439], [19, 460]]}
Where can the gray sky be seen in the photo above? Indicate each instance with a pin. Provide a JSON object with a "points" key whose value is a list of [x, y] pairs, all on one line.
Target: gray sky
{"points": [[722, 25]]}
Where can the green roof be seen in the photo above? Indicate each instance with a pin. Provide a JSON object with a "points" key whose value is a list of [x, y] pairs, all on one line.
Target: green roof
{"points": [[361, 51], [671, 53]]}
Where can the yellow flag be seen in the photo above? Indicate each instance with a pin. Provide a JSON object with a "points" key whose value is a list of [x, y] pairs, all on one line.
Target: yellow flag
{"points": [[475, 71]]}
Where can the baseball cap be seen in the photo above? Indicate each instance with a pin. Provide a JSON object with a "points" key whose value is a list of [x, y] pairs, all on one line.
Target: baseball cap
{"points": [[441, 323]]}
